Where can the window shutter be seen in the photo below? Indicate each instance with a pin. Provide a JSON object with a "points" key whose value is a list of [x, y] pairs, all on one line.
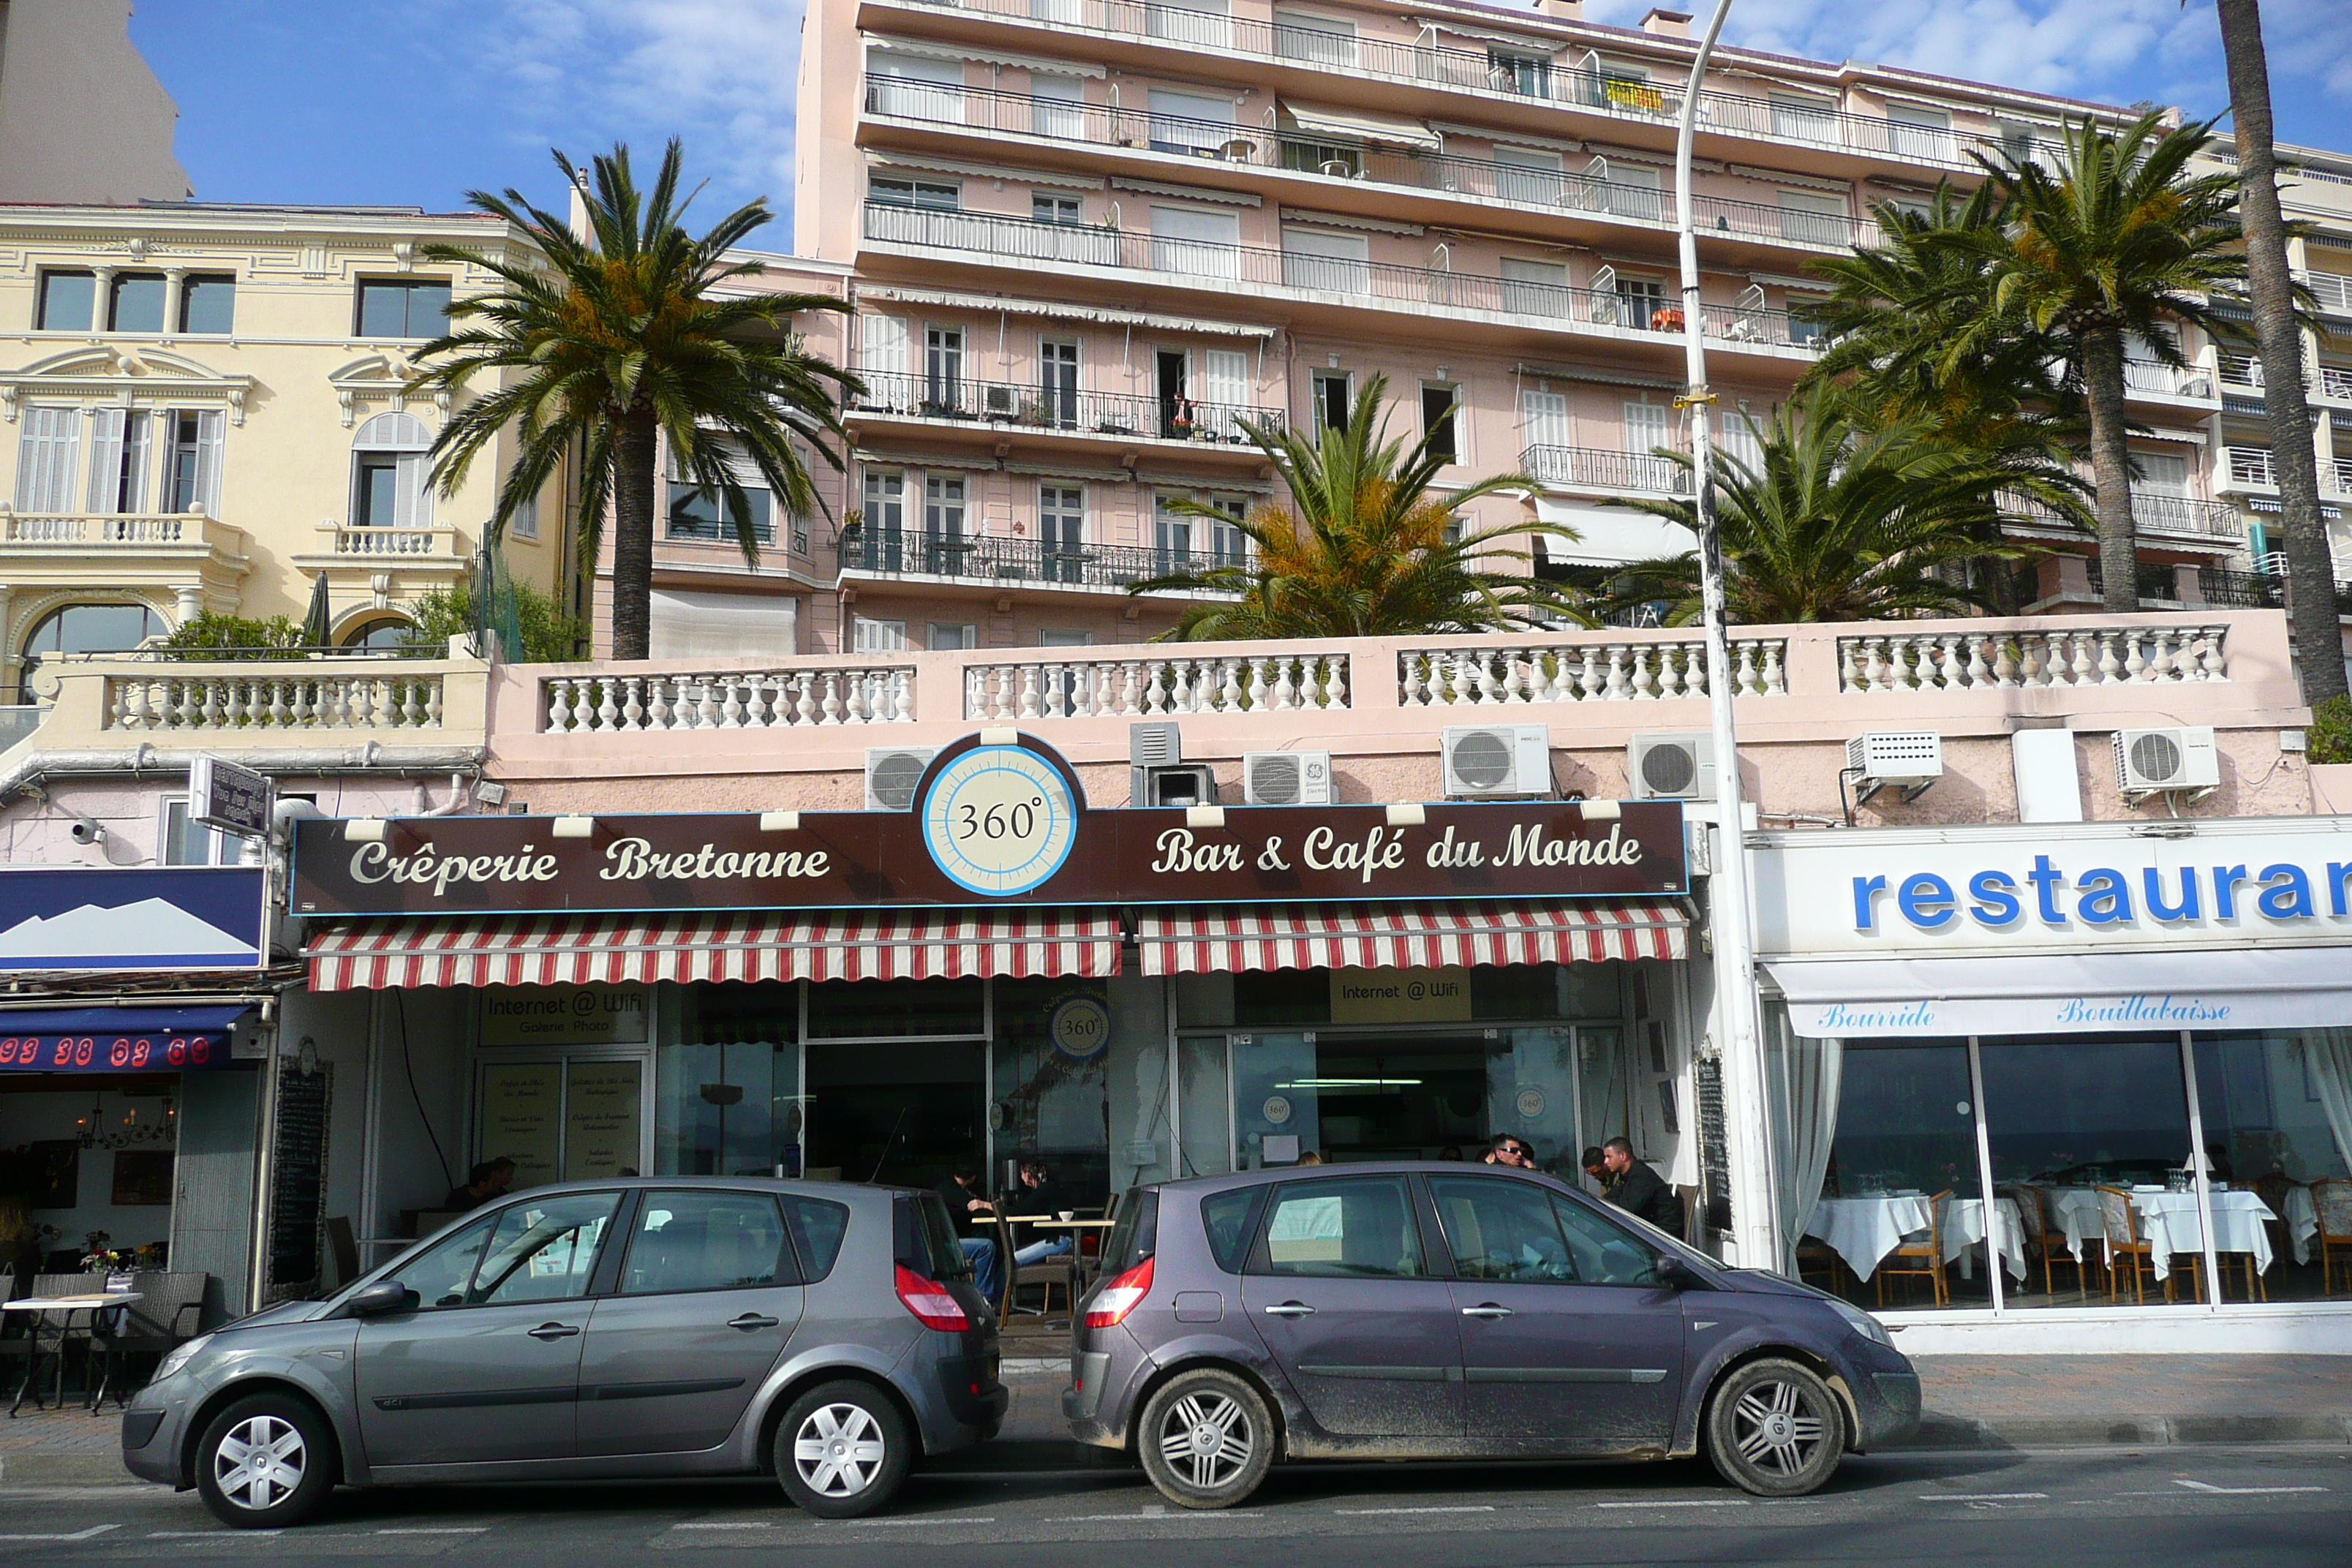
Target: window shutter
{"points": [[140, 459], [412, 503], [106, 459], [1645, 427], [1547, 419], [46, 467], [883, 352], [208, 460]]}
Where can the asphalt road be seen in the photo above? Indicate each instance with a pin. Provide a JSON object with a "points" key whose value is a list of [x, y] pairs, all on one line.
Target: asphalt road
{"points": [[2273, 1508]]}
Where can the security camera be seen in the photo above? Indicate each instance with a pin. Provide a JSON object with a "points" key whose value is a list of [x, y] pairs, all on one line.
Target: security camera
{"points": [[85, 831]]}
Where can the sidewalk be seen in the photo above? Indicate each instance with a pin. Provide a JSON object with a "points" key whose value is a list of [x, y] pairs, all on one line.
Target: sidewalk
{"points": [[1973, 1403]]}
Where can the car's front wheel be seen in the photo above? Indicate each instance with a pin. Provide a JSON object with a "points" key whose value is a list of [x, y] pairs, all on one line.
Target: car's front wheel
{"points": [[1774, 1428], [1207, 1438], [841, 1450], [265, 1463]]}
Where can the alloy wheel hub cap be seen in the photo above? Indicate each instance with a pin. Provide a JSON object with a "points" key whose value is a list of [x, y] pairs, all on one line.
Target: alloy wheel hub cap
{"points": [[1207, 1439], [1779, 1428]]}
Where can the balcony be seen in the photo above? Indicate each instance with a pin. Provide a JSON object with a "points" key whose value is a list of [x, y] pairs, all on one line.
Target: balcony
{"points": [[1598, 468], [198, 559], [2153, 513], [1056, 411], [2332, 289], [1228, 270], [998, 561], [1346, 57], [1323, 161], [2154, 377]]}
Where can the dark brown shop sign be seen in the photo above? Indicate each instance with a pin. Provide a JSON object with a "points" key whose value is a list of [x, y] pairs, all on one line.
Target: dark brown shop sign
{"points": [[513, 865]]}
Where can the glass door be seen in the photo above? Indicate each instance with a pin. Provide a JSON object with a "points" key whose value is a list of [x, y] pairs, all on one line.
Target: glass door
{"points": [[562, 1118]]}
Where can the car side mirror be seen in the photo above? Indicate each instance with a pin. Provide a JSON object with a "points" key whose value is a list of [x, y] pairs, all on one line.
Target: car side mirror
{"points": [[383, 1295], [1677, 1275]]}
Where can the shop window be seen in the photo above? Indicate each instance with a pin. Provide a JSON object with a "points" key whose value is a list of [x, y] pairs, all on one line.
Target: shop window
{"points": [[1050, 1097], [1263, 997], [1516, 991], [897, 1009], [1905, 1150], [728, 1087], [68, 301]]}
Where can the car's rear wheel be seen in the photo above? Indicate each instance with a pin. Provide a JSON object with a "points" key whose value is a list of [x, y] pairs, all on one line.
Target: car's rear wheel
{"points": [[1207, 1439], [1774, 1428], [843, 1451], [265, 1463]]}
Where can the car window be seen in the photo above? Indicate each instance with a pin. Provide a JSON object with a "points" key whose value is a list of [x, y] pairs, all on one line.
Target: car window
{"points": [[925, 1237], [1605, 1253], [817, 1228], [1135, 1234], [543, 1251], [1351, 1227], [1502, 1230], [439, 1277], [704, 1241], [1228, 1218]]}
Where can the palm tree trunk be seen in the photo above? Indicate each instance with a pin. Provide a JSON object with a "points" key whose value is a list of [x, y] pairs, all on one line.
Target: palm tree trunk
{"points": [[2311, 575], [2103, 385], [633, 535]]}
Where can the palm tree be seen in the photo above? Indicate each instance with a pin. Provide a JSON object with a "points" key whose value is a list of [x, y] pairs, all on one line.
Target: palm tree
{"points": [[618, 341], [1363, 548], [1849, 517], [2121, 239], [2310, 566]]}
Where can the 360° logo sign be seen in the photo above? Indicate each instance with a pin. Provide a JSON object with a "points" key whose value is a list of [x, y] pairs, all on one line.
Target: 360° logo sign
{"points": [[999, 820]]}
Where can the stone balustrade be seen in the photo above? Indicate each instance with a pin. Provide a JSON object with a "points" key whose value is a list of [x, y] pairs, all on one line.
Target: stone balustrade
{"points": [[729, 699], [2065, 655], [384, 697], [1586, 669], [1135, 684]]}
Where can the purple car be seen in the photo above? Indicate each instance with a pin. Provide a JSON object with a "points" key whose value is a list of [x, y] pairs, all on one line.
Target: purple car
{"points": [[1417, 1310]]}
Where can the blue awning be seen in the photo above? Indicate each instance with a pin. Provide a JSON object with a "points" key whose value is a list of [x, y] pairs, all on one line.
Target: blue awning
{"points": [[119, 1039]]}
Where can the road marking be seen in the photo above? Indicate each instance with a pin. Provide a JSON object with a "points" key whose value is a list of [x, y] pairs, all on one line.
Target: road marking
{"points": [[95, 1530], [194, 1534], [924, 1518], [715, 1524], [1682, 1502], [1374, 1513], [1158, 1513], [2242, 1492], [1984, 1497], [438, 1529]]}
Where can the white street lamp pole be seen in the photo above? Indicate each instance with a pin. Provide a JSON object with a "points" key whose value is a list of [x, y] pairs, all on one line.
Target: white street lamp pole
{"points": [[1755, 1220]]}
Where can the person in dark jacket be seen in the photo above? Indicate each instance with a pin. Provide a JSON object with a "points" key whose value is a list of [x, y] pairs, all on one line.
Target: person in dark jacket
{"points": [[1636, 1189], [975, 1224], [484, 1182]]}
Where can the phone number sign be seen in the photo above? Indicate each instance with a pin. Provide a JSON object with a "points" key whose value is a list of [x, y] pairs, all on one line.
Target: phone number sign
{"points": [[142, 1052]]}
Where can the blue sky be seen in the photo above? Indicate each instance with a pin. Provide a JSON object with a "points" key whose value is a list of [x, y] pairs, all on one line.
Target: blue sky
{"points": [[418, 101]]}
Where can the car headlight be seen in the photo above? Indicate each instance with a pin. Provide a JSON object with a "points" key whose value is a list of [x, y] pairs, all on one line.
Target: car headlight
{"points": [[1862, 1324], [181, 1357]]}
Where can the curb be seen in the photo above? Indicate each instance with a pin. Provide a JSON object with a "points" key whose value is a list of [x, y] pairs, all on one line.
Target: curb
{"points": [[1939, 1432], [24, 1469]]}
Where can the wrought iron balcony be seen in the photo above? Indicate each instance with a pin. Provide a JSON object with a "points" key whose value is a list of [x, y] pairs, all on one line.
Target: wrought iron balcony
{"points": [[2151, 513], [1061, 410], [996, 558], [1594, 468]]}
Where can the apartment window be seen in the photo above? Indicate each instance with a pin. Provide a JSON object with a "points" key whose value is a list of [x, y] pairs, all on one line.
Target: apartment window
{"points": [[1226, 541], [1060, 530], [1547, 419], [186, 842], [1798, 118], [1333, 263], [85, 629], [915, 86], [1534, 176], [1189, 122], [1640, 299], [68, 301], [524, 524], [943, 370], [1922, 132], [1514, 71], [1815, 218], [1438, 406], [1059, 636], [867, 635], [192, 466], [952, 637], [699, 514], [1740, 438], [1333, 399], [2162, 473], [1646, 427], [1063, 210], [120, 460], [943, 506], [403, 308], [1535, 288], [390, 473], [1630, 190], [1057, 105], [137, 303], [1318, 41], [1057, 383], [932, 194], [1196, 242], [208, 306], [886, 501], [1171, 533]]}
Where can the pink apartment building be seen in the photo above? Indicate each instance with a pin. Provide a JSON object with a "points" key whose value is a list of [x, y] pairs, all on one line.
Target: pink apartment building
{"points": [[1084, 240]]}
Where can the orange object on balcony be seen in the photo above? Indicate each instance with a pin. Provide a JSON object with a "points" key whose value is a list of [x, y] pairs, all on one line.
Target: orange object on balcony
{"points": [[1665, 319]]}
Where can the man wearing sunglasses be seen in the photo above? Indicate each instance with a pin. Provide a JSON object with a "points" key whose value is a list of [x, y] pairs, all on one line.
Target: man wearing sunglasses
{"points": [[1508, 1149]]}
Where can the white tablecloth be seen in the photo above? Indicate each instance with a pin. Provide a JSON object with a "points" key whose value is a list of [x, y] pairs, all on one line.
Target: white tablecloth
{"points": [[2302, 1222], [2169, 1222], [1864, 1230], [1964, 1227]]}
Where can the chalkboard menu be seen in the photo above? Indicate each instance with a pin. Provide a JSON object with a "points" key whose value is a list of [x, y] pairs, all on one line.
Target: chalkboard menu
{"points": [[298, 1182], [1713, 1152]]}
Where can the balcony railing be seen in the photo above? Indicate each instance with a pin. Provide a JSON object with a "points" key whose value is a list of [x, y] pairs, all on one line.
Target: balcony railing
{"points": [[2333, 290], [2149, 580], [2155, 375], [2250, 464], [104, 533], [1051, 409], [1596, 468], [2066, 655], [369, 543], [985, 109], [996, 558], [1238, 268], [2337, 473], [2336, 382], [2153, 512], [2226, 589], [1478, 70]]}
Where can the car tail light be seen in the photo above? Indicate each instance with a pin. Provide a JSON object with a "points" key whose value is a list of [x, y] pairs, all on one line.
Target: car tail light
{"points": [[931, 1302], [1115, 1300]]}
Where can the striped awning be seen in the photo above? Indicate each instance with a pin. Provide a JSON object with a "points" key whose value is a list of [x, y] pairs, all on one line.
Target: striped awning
{"points": [[1406, 936], [743, 944]]}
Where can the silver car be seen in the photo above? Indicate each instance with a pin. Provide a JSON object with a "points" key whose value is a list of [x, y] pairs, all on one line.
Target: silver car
{"points": [[827, 1333]]}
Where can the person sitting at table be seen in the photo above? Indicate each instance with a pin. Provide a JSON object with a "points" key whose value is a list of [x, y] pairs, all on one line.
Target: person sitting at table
{"points": [[484, 1182], [1636, 1189], [971, 1209], [1040, 1194], [1596, 1167], [2217, 1161]]}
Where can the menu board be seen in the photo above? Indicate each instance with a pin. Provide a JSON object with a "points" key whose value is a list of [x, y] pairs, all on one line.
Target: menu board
{"points": [[298, 1174], [603, 1117], [523, 1118]]}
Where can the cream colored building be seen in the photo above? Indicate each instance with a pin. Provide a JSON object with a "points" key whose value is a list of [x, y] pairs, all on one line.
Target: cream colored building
{"points": [[82, 119], [203, 408]]}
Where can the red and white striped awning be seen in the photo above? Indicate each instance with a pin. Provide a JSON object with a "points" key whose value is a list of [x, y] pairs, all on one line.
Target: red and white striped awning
{"points": [[1406, 936], [742, 944]]}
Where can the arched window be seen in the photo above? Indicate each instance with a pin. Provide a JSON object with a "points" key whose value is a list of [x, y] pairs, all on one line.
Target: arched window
{"points": [[391, 632], [85, 629], [389, 466]]}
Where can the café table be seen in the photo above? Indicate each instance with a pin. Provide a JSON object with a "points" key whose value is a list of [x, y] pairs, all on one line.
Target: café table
{"points": [[64, 1306], [1863, 1230], [1964, 1227], [1055, 1222], [2168, 1221]]}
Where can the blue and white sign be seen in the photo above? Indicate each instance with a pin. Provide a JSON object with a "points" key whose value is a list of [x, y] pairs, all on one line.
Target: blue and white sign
{"points": [[55, 919], [999, 820], [1081, 1028]]}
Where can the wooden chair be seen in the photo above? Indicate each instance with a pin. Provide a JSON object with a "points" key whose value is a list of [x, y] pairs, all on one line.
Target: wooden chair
{"points": [[1923, 1256], [2272, 1189], [1815, 1256], [170, 1310], [2127, 1247], [2332, 1197], [1047, 1272], [2043, 1239]]}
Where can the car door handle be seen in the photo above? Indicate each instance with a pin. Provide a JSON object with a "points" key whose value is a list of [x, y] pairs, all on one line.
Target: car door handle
{"points": [[751, 1321], [1486, 1309], [553, 1332], [1290, 1309]]}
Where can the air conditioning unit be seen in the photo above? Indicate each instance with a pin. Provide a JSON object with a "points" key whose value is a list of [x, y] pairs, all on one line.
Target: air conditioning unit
{"points": [[1001, 402], [1670, 767], [1184, 784], [1491, 759], [1907, 759], [891, 774], [2150, 760], [1286, 778], [1155, 744]]}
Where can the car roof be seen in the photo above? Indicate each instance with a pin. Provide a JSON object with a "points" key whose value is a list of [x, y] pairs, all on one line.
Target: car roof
{"points": [[702, 1183], [1351, 1168]]}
